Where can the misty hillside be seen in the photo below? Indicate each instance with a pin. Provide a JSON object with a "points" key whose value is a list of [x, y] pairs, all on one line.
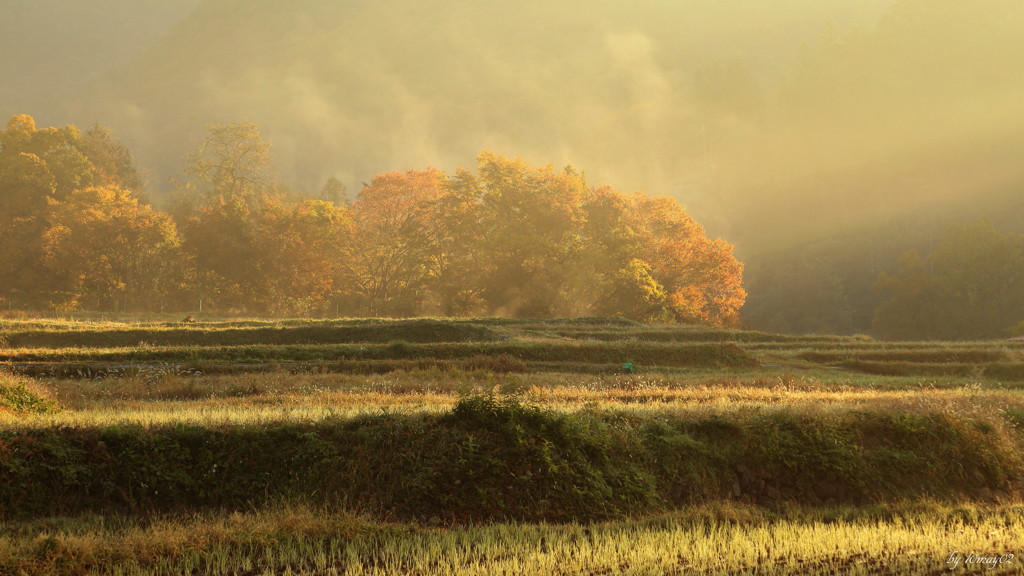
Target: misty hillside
{"points": [[354, 88], [823, 138], [50, 50], [834, 114]]}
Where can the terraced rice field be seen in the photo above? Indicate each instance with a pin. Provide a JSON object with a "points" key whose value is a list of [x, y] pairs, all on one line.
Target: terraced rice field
{"points": [[489, 446]]}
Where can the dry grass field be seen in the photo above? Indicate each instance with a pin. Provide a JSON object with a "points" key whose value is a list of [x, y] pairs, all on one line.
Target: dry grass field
{"points": [[490, 446]]}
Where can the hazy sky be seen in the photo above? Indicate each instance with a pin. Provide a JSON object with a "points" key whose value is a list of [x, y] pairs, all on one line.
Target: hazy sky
{"points": [[821, 115]]}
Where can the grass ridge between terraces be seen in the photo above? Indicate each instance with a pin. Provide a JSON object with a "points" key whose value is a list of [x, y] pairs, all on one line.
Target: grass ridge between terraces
{"points": [[660, 354], [495, 458], [415, 330]]}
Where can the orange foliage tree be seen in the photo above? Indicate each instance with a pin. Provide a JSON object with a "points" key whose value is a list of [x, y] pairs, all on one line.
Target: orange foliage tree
{"points": [[531, 220], [526, 241], [655, 263], [395, 241], [702, 278], [506, 239]]}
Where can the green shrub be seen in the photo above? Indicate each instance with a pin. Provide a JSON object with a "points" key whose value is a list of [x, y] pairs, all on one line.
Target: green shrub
{"points": [[397, 349], [687, 468], [20, 397]]}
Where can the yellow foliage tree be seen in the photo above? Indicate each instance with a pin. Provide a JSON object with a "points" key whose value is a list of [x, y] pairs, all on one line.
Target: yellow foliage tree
{"points": [[111, 252]]}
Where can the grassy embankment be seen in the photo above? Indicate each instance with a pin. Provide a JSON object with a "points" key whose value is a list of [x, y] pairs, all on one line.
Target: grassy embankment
{"points": [[361, 424]]}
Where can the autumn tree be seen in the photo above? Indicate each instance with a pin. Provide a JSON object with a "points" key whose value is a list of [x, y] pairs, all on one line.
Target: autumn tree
{"points": [[37, 167], [530, 219], [232, 163], [219, 201], [514, 239], [219, 239], [281, 257], [700, 277], [655, 263], [395, 241], [25, 186], [59, 149], [455, 285], [251, 248], [300, 244], [111, 160], [111, 252], [622, 283]]}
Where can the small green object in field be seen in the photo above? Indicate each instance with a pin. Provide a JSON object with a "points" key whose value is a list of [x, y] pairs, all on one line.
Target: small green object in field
{"points": [[628, 368]]}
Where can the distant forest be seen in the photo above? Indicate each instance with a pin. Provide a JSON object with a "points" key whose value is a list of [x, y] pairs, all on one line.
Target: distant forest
{"points": [[507, 239], [76, 232]]}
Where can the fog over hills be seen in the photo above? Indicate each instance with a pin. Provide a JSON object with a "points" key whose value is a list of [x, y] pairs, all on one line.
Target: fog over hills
{"points": [[357, 87], [51, 51], [849, 130]]}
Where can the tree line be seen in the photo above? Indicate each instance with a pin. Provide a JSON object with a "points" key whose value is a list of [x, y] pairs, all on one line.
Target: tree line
{"points": [[971, 286], [77, 232], [964, 281]]}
